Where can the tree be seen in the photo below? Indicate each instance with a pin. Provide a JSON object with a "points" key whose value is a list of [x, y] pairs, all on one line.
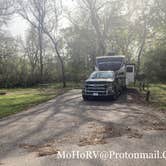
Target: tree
{"points": [[81, 49], [34, 12], [154, 64], [91, 5], [31, 50], [143, 35], [6, 10], [44, 16], [8, 60]]}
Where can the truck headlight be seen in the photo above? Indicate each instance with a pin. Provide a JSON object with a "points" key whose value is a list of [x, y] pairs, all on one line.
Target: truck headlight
{"points": [[109, 87]]}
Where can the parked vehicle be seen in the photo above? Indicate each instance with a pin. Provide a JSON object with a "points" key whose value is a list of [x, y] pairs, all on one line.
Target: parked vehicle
{"points": [[109, 79], [101, 83]]}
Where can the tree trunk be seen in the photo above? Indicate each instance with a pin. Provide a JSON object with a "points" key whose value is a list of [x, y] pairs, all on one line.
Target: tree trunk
{"points": [[93, 61], [59, 57], [139, 56], [41, 52], [40, 33], [141, 48], [62, 66]]}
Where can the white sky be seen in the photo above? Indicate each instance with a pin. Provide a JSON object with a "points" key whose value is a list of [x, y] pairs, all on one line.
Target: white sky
{"points": [[18, 26]]}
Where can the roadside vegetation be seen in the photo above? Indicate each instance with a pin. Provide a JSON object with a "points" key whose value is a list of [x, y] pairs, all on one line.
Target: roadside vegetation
{"points": [[157, 96], [19, 99]]}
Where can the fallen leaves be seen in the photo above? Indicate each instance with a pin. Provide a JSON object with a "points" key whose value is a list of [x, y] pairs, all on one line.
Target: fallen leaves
{"points": [[152, 123], [95, 133], [41, 150], [134, 133]]}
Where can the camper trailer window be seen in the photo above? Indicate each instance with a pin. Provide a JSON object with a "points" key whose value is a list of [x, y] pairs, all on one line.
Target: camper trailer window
{"points": [[129, 69]]}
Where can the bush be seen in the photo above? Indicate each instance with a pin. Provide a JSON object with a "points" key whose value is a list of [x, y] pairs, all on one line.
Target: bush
{"points": [[155, 65]]}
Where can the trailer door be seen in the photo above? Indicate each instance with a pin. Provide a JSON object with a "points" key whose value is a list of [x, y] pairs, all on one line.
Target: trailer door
{"points": [[130, 73]]}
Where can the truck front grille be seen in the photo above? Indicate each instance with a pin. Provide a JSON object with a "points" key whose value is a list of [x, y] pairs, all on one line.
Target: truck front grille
{"points": [[96, 87]]}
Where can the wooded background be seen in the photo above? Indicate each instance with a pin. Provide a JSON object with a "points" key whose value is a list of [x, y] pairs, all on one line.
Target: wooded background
{"points": [[62, 42]]}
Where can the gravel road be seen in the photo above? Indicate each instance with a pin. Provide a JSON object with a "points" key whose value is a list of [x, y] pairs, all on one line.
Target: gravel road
{"points": [[67, 123]]}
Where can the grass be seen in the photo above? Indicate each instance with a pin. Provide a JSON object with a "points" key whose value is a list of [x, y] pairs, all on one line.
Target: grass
{"points": [[157, 94], [17, 100]]}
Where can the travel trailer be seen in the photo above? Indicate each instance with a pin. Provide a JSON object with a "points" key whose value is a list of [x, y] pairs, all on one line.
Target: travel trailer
{"points": [[110, 78]]}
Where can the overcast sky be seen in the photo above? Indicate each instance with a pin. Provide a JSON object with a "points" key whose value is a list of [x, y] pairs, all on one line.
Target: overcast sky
{"points": [[18, 26]]}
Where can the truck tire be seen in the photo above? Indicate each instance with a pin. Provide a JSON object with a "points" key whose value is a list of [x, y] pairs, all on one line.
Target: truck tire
{"points": [[85, 98], [125, 88], [115, 95]]}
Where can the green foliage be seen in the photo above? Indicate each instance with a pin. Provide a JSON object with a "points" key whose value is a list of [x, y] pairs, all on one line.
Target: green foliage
{"points": [[17, 100], [81, 48], [155, 65], [158, 95]]}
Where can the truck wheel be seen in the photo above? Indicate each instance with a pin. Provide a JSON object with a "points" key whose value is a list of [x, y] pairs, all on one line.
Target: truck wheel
{"points": [[114, 97], [120, 91], [116, 94], [85, 98], [124, 88]]}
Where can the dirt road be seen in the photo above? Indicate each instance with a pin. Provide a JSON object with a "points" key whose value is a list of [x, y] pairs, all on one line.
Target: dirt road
{"points": [[67, 123]]}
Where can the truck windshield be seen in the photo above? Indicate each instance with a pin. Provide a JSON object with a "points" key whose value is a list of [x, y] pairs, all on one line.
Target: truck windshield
{"points": [[101, 75]]}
